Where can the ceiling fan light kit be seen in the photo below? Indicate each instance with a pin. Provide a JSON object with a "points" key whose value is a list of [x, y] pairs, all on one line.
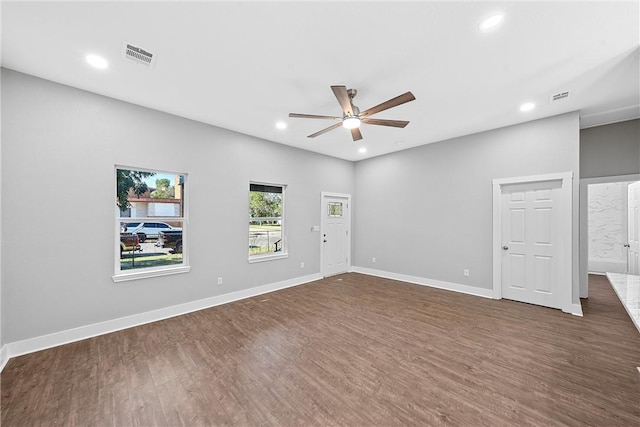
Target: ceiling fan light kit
{"points": [[352, 118], [351, 122]]}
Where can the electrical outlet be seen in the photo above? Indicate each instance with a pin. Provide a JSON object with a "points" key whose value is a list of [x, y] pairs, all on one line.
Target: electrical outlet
{"points": [[373, 260], [302, 265], [219, 280], [466, 272]]}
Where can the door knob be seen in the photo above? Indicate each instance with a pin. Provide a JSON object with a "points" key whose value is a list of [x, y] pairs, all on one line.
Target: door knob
{"points": [[506, 248], [325, 240]]}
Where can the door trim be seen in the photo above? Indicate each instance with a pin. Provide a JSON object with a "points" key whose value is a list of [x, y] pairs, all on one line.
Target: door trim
{"points": [[633, 227], [584, 223], [564, 240], [323, 220]]}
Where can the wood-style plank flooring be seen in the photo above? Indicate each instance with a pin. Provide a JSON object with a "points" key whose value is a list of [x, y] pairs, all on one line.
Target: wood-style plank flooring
{"points": [[349, 350]]}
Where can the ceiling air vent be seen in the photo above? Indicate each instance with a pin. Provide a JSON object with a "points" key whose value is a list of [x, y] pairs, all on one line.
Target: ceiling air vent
{"points": [[138, 55], [559, 96]]}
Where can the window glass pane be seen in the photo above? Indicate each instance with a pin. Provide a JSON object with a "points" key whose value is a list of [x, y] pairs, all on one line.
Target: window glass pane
{"points": [[335, 209], [265, 219], [137, 250], [146, 195], [264, 237]]}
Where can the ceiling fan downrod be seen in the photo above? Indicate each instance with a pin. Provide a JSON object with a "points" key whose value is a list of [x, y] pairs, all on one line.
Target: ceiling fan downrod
{"points": [[356, 111]]}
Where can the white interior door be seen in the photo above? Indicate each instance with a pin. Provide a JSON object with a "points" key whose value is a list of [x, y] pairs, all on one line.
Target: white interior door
{"points": [[335, 234], [633, 229], [531, 260]]}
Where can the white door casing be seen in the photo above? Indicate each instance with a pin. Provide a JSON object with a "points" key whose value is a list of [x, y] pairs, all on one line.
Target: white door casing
{"points": [[532, 230], [585, 183], [633, 228], [335, 233]]}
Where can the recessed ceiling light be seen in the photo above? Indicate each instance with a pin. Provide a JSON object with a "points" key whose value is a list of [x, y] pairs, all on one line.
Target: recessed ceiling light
{"points": [[362, 150], [491, 22], [527, 106], [281, 125], [97, 61]]}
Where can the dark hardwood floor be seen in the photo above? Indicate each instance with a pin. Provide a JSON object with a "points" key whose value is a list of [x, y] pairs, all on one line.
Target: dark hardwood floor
{"points": [[349, 350]]}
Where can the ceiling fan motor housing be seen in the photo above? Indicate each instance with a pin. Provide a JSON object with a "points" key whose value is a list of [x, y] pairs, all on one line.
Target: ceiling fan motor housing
{"points": [[356, 112]]}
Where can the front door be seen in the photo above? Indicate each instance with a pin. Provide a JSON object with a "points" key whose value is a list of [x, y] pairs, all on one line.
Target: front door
{"points": [[531, 264], [633, 229], [335, 234]]}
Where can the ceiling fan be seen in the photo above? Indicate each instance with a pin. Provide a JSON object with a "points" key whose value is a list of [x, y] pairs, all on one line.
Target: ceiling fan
{"points": [[351, 115]]}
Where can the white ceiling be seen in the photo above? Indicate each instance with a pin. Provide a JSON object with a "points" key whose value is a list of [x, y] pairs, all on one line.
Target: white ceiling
{"points": [[245, 65]]}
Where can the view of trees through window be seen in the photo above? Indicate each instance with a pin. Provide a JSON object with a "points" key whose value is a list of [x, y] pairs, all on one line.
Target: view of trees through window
{"points": [[150, 206], [265, 219]]}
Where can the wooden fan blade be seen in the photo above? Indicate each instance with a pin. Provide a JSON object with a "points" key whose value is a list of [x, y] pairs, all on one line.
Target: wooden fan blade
{"points": [[355, 134], [393, 102], [343, 99], [313, 116], [332, 127], [383, 122]]}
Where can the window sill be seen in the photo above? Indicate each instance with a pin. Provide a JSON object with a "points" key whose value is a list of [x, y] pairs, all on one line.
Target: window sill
{"points": [[124, 277], [270, 257]]}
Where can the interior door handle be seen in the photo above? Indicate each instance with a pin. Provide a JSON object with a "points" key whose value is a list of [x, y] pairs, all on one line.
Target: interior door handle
{"points": [[506, 248], [626, 245], [325, 240]]}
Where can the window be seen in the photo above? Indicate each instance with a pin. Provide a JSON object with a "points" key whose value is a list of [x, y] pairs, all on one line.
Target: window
{"points": [[266, 222], [151, 223], [334, 209]]}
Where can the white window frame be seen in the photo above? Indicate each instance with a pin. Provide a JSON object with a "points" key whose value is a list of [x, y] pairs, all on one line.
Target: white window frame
{"points": [[142, 273], [284, 252]]}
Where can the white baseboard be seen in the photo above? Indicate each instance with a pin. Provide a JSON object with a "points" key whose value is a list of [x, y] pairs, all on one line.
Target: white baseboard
{"points": [[43, 342], [575, 309], [4, 357], [465, 289]]}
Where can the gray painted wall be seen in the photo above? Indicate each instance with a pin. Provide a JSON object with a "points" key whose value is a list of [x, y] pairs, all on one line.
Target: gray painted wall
{"points": [[427, 211], [60, 146], [610, 150]]}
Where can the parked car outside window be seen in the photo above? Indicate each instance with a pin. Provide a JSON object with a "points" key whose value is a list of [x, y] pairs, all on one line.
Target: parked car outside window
{"points": [[151, 229], [125, 227]]}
